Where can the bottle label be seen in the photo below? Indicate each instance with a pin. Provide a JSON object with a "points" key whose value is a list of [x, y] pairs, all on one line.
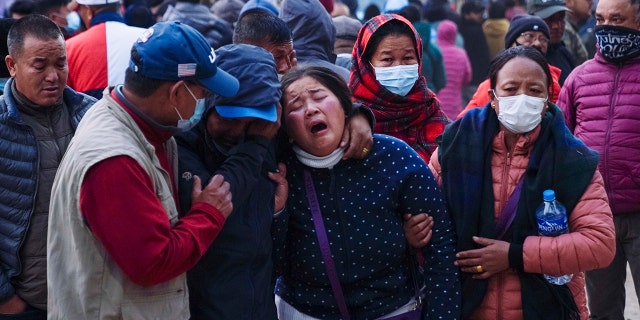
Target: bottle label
{"points": [[552, 227]]}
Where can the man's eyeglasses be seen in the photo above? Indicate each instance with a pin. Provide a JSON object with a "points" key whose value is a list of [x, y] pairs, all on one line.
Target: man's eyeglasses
{"points": [[530, 38]]}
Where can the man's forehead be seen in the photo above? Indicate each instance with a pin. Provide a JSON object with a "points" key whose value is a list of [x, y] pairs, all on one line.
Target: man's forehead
{"points": [[616, 4], [34, 45], [283, 47]]}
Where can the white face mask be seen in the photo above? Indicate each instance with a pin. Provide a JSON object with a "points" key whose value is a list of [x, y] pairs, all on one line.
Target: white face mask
{"points": [[398, 79], [521, 113]]}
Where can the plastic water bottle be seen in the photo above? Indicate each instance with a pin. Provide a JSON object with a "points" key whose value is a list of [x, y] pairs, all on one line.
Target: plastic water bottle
{"points": [[552, 221]]}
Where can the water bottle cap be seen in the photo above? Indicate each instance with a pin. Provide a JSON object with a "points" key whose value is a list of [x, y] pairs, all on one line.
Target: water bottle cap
{"points": [[548, 195]]}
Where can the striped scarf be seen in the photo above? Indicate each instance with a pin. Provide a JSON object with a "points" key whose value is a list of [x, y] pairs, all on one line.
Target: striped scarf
{"points": [[415, 118]]}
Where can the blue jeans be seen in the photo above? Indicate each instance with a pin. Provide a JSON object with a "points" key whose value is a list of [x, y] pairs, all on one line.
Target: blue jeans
{"points": [[605, 287]]}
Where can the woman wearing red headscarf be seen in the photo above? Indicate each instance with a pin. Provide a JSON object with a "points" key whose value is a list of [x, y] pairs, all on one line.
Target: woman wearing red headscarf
{"points": [[386, 78]]}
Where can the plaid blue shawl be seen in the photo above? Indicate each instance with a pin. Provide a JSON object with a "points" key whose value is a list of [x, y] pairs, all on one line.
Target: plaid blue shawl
{"points": [[558, 161]]}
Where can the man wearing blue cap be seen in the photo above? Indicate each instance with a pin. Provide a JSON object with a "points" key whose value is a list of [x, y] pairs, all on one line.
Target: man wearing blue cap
{"points": [[235, 139], [118, 247]]}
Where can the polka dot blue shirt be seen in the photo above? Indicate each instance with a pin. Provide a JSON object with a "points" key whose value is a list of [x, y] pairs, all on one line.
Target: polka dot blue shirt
{"points": [[362, 203]]}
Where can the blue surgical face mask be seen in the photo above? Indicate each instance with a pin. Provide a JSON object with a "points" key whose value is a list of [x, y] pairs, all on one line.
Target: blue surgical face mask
{"points": [[398, 79], [73, 22], [186, 125]]}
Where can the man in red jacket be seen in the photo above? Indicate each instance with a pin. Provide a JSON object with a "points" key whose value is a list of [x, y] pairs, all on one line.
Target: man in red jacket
{"points": [[118, 246]]}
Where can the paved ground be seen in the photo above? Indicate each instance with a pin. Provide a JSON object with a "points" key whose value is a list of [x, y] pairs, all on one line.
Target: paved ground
{"points": [[631, 311]]}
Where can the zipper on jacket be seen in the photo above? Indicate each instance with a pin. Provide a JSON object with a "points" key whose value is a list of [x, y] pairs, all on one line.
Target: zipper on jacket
{"points": [[505, 182], [607, 139], [36, 178]]}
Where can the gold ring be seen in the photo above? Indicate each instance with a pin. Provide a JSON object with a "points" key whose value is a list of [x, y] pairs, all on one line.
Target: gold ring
{"points": [[365, 150], [479, 269]]}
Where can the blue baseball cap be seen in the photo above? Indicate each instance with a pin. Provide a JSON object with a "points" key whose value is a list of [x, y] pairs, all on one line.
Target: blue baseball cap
{"points": [[259, 91], [265, 5], [173, 51]]}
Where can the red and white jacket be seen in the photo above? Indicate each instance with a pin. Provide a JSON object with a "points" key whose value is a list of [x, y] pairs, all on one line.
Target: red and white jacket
{"points": [[98, 57]]}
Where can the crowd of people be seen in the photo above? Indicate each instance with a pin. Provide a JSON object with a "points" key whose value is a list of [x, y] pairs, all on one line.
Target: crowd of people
{"points": [[309, 159]]}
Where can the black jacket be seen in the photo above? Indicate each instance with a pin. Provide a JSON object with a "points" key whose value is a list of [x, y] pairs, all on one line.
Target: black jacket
{"points": [[476, 46], [233, 279]]}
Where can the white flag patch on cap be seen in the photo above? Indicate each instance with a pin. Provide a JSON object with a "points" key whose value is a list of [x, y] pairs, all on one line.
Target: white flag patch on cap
{"points": [[187, 69]]}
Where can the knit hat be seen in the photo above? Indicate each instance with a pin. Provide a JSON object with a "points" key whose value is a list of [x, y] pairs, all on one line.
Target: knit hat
{"points": [[523, 23], [545, 8], [229, 10]]}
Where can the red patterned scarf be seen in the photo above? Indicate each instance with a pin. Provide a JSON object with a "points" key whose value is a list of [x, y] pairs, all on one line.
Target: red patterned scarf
{"points": [[415, 118]]}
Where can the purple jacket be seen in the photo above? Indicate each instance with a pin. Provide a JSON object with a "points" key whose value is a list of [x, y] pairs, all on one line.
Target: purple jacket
{"points": [[601, 103], [457, 68]]}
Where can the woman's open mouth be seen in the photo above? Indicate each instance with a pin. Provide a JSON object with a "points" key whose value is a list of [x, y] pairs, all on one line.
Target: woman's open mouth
{"points": [[318, 127]]}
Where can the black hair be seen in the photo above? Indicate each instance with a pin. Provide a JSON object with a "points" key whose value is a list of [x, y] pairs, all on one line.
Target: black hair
{"points": [[520, 51], [44, 7], [258, 26], [162, 7], [22, 7], [138, 15], [34, 25], [326, 77], [371, 11], [393, 27], [497, 10], [411, 13], [140, 85], [5, 25]]}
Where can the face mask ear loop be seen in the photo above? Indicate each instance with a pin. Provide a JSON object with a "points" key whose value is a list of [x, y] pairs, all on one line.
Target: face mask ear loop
{"points": [[178, 112], [192, 95]]}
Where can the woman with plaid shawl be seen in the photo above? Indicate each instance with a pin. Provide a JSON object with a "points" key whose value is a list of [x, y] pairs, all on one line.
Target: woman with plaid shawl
{"points": [[385, 77]]}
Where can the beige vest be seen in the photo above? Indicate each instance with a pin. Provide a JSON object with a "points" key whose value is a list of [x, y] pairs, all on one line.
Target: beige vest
{"points": [[83, 281]]}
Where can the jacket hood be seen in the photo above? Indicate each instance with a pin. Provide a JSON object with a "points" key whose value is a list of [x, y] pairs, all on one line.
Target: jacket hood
{"points": [[312, 29], [447, 33]]}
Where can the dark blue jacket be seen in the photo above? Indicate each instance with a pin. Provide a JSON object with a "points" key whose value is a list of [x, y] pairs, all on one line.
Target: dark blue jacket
{"points": [[559, 56], [233, 279], [19, 174]]}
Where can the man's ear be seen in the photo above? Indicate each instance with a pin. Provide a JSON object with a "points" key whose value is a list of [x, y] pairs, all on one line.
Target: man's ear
{"points": [[11, 65], [174, 93]]}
